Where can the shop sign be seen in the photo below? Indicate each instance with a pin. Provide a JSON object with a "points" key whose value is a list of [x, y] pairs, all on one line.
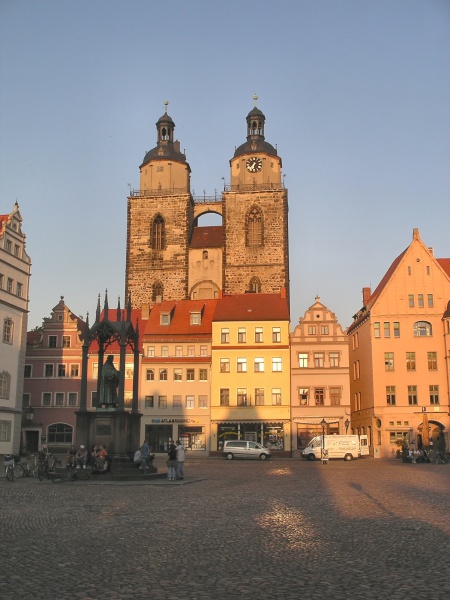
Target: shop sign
{"points": [[175, 421]]}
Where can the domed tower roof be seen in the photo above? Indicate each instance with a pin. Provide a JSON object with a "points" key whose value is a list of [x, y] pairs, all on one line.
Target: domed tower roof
{"points": [[255, 134], [166, 148]]}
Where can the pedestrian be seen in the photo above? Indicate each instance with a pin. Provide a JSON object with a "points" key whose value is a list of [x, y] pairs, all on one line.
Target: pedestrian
{"points": [[145, 456], [82, 456], [181, 455], [172, 462]]}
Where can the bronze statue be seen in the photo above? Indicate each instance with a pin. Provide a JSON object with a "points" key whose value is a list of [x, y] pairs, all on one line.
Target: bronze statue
{"points": [[109, 383]]}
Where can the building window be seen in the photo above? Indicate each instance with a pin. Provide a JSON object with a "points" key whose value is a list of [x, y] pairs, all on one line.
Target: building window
{"points": [[376, 329], [5, 380], [312, 330], [178, 401], [150, 374], [196, 318], [61, 370], [224, 397], [303, 360], [420, 302], [9, 285], [242, 397], [259, 335], [26, 400], [259, 396], [151, 351], [277, 365], [303, 394], [1, 280], [410, 361], [163, 374], [165, 318], [203, 401], [259, 365], [52, 341], [178, 374], [254, 227], [242, 335], [179, 351], [148, 401], [318, 360], [324, 330], [190, 402], [319, 395], [48, 370], [396, 329], [5, 431], [66, 341], [46, 399], [158, 233], [224, 365], [59, 399], [432, 361], [241, 365], [203, 375], [430, 300], [157, 291], [162, 401], [190, 374], [388, 361], [74, 370], [387, 329], [255, 285], [164, 351], [191, 350], [276, 396], [334, 359], [434, 394], [390, 395], [19, 289], [225, 336], [276, 335], [60, 433], [16, 250], [9, 246], [411, 300], [412, 395], [72, 399], [27, 371], [335, 396], [8, 329], [203, 350], [422, 328]]}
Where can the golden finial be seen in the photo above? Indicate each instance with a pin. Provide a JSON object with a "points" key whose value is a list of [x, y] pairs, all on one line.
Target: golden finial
{"points": [[255, 98], [166, 104]]}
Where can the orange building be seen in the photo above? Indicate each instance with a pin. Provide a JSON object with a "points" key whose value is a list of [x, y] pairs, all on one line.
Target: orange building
{"points": [[400, 353]]}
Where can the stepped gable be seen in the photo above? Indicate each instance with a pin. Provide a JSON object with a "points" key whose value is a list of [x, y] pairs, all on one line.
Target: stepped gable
{"points": [[207, 237], [252, 307]]}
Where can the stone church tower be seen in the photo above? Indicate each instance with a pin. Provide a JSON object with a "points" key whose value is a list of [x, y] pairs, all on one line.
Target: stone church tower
{"points": [[169, 257]]}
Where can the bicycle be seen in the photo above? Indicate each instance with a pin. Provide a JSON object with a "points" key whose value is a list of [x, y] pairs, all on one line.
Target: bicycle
{"points": [[12, 467], [44, 467], [437, 458], [29, 465], [73, 474]]}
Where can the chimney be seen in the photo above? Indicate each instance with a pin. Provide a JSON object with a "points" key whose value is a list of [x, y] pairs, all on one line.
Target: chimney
{"points": [[145, 312], [367, 292], [283, 292]]}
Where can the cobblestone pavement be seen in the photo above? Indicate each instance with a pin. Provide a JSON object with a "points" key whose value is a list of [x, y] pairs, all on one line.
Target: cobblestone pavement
{"points": [[282, 529]]}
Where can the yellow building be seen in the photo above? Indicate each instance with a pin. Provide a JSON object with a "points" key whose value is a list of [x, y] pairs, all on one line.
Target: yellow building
{"points": [[400, 353], [250, 372]]}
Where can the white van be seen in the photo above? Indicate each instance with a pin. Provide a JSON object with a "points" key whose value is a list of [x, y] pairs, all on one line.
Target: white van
{"points": [[244, 449], [337, 446]]}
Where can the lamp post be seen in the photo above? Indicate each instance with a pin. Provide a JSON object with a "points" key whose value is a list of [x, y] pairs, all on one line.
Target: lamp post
{"points": [[323, 424], [346, 423]]}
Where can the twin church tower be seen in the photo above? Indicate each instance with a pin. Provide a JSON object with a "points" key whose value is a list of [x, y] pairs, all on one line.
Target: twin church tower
{"points": [[171, 257]]}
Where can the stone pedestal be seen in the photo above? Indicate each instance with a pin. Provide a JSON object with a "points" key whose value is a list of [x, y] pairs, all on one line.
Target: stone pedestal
{"points": [[117, 430]]}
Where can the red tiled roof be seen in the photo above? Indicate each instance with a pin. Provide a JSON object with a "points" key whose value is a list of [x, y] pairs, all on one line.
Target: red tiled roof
{"points": [[180, 319], [445, 264], [206, 237], [34, 337], [252, 307]]}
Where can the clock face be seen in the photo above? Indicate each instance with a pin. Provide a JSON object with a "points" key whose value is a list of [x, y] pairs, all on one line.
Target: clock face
{"points": [[254, 164]]}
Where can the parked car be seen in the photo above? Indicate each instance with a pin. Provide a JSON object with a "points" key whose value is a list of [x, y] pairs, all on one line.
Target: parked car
{"points": [[244, 449]]}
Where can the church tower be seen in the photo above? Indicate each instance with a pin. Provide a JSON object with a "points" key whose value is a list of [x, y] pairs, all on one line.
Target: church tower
{"points": [[158, 223], [255, 217]]}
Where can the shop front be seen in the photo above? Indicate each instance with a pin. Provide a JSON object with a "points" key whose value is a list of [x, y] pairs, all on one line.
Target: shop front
{"points": [[271, 435], [190, 432]]}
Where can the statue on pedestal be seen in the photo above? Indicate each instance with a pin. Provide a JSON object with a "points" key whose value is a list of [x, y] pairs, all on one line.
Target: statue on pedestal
{"points": [[109, 383]]}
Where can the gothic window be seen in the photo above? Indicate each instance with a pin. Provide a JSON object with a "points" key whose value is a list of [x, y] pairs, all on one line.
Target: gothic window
{"points": [[255, 285], [158, 233], [157, 290], [254, 227]]}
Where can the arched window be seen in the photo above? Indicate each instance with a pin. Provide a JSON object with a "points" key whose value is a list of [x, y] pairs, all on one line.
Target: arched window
{"points": [[158, 233], [5, 380], [60, 433], [255, 285], [157, 291], [254, 227], [422, 328]]}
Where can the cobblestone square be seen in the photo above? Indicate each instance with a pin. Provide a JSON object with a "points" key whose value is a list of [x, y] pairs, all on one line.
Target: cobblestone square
{"points": [[281, 529]]}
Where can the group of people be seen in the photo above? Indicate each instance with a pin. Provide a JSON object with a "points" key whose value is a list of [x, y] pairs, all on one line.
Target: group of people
{"points": [[175, 462], [144, 457], [82, 458]]}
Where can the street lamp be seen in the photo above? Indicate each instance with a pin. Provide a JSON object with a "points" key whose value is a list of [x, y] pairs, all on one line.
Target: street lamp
{"points": [[323, 424], [346, 423], [29, 415]]}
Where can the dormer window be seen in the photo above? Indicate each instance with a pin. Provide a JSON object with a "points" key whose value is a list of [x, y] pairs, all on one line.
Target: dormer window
{"points": [[165, 318], [196, 318]]}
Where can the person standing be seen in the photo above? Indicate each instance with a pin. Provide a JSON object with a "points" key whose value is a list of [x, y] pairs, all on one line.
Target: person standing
{"points": [[181, 456], [172, 462]]}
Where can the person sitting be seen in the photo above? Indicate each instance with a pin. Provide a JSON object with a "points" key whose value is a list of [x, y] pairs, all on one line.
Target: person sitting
{"points": [[72, 457], [92, 457], [81, 457]]}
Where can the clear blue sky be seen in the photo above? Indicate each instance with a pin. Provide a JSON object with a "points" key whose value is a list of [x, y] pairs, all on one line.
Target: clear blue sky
{"points": [[356, 95]]}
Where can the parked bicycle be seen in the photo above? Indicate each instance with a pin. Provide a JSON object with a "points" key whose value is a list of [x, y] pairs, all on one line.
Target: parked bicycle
{"points": [[12, 467], [46, 466], [29, 466], [73, 474]]}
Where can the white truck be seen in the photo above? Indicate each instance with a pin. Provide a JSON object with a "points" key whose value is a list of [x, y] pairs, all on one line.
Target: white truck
{"points": [[337, 446]]}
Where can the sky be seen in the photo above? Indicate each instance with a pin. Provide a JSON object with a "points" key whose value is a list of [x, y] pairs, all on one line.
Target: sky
{"points": [[356, 95]]}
